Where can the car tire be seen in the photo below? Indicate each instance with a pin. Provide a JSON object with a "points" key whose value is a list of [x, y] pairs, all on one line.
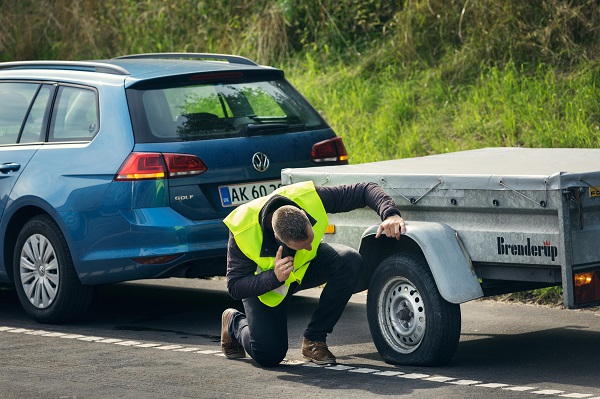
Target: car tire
{"points": [[410, 322], [45, 278]]}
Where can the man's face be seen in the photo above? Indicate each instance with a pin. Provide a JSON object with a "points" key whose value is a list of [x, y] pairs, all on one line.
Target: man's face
{"points": [[306, 244]]}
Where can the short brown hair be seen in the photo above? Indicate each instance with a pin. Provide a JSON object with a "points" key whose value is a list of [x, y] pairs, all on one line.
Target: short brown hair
{"points": [[290, 224]]}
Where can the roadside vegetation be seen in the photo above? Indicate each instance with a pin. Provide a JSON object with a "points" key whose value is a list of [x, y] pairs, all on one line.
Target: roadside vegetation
{"points": [[394, 78]]}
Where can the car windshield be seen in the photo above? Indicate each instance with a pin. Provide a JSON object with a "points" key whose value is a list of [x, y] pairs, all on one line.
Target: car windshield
{"points": [[219, 110]]}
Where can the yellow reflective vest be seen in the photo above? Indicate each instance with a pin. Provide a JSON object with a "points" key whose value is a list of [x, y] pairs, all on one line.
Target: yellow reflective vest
{"points": [[244, 224]]}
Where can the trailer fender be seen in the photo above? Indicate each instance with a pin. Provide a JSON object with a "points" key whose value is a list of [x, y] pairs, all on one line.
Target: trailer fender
{"points": [[448, 260]]}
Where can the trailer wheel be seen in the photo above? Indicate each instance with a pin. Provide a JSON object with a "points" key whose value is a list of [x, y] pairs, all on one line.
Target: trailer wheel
{"points": [[45, 279], [410, 322]]}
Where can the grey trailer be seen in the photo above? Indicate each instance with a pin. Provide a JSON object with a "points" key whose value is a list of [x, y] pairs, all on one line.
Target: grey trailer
{"points": [[479, 223]]}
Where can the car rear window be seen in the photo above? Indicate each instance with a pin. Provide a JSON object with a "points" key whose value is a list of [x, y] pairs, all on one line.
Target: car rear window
{"points": [[192, 111]]}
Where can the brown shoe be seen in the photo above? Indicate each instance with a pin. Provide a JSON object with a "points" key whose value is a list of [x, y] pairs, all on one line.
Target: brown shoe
{"points": [[317, 352], [229, 345]]}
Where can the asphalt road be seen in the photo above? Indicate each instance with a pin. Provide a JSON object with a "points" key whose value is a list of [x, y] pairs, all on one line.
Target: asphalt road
{"points": [[160, 339]]}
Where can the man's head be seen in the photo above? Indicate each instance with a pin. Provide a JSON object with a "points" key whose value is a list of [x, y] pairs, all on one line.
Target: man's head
{"points": [[292, 227]]}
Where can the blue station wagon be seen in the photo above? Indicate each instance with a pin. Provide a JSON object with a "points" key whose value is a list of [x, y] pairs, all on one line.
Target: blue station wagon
{"points": [[123, 169]]}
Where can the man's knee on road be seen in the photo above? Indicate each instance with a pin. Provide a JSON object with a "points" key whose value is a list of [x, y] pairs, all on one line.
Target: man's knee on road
{"points": [[270, 357]]}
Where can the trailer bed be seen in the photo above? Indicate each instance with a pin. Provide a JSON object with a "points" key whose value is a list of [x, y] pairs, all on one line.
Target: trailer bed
{"points": [[474, 169], [527, 217]]}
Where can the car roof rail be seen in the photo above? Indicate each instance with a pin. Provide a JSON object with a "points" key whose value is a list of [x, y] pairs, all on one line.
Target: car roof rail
{"points": [[232, 59], [86, 66]]}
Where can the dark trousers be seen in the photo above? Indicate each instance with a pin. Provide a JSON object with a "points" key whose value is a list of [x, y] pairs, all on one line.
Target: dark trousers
{"points": [[263, 329]]}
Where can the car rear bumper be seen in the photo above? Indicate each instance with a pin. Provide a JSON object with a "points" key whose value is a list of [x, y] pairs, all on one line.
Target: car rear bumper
{"points": [[145, 243]]}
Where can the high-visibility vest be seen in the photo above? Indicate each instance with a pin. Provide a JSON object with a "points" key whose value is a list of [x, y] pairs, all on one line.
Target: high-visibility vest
{"points": [[243, 222]]}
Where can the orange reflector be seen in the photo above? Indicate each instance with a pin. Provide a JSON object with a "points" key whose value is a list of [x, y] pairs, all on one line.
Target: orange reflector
{"points": [[583, 278], [587, 287], [330, 229]]}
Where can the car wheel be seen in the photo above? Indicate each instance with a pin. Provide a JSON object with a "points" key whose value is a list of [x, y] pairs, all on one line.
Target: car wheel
{"points": [[45, 279], [410, 322]]}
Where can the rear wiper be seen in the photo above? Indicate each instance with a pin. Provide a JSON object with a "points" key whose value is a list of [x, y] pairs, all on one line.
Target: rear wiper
{"points": [[268, 128]]}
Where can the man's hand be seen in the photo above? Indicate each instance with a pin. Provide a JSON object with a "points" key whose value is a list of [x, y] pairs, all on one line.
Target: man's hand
{"points": [[283, 267], [393, 226]]}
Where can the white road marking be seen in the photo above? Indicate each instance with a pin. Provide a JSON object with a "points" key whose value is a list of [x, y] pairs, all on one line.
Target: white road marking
{"points": [[439, 378], [209, 352], [414, 376], [186, 350], [363, 370], [72, 336], [53, 334], [37, 332], [338, 367], [311, 364], [19, 330], [492, 385], [169, 347], [292, 362], [389, 373], [110, 340], [128, 343], [464, 382], [91, 339]]}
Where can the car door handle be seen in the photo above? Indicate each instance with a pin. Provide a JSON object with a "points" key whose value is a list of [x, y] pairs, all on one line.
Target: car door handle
{"points": [[9, 167]]}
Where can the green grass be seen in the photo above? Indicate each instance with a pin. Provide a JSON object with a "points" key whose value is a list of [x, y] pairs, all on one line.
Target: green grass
{"points": [[551, 296], [382, 117]]}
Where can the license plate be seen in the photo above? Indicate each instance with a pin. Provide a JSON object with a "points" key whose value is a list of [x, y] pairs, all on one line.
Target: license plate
{"points": [[238, 194]]}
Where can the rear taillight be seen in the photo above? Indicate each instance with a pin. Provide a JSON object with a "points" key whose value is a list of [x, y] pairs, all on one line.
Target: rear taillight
{"points": [[184, 165], [332, 150], [586, 287], [154, 165], [142, 166]]}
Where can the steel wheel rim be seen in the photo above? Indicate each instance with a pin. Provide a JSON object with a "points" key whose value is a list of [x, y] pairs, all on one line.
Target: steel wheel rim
{"points": [[402, 315], [39, 271]]}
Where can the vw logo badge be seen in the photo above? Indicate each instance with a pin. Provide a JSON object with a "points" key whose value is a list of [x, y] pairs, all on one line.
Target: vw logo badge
{"points": [[260, 162]]}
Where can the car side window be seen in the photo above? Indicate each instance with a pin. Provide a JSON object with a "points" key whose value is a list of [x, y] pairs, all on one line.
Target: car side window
{"points": [[14, 103], [75, 116], [34, 127]]}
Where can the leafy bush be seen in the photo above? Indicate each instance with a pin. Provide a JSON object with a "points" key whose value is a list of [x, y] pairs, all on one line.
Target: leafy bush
{"points": [[460, 34]]}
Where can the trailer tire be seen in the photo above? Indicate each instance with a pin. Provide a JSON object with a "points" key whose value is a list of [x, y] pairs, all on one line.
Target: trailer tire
{"points": [[45, 278], [410, 322]]}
